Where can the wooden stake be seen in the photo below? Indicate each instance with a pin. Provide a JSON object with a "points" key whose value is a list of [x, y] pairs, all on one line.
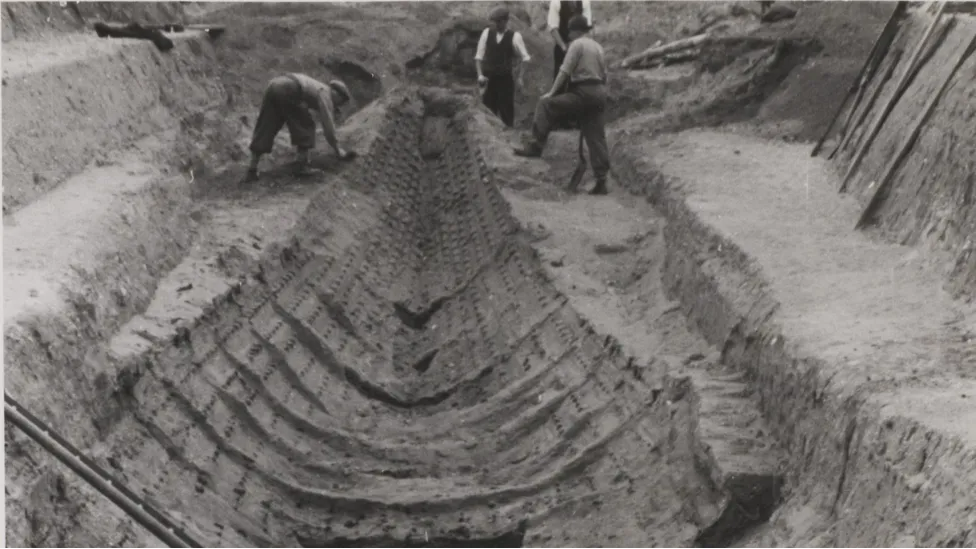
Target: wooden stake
{"points": [[880, 191], [895, 59], [912, 69], [866, 74]]}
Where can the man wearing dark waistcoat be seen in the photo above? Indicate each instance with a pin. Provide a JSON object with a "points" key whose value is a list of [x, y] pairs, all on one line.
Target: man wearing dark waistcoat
{"points": [[495, 60], [560, 12]]}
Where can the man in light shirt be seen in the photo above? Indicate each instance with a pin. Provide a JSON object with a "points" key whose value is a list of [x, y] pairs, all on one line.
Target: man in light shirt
{"points": [[499, 50], [585, 70], [290, 100], [558, 22]]}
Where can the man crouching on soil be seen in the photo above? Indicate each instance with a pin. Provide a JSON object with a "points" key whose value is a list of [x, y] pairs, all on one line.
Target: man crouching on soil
{"points": [[290, 99], [585, 68]]}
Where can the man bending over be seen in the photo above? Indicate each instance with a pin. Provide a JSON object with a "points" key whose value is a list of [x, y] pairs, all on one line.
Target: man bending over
{"points": [[290, 100]]}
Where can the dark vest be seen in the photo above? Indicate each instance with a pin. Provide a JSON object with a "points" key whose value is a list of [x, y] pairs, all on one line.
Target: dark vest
{"points": [[499, 56], [566, 12]]}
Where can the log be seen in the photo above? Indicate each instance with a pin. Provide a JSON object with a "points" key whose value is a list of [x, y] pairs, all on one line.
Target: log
{"points": [[663, 49], [669, 59], [881, 190]]}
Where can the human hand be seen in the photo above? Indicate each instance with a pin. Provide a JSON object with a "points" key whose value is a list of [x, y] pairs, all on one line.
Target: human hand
{"points": [[546, 95], [482, 80]]}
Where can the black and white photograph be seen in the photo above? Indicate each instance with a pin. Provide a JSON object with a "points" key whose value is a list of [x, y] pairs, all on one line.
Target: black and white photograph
{"points": [[483, 273]]}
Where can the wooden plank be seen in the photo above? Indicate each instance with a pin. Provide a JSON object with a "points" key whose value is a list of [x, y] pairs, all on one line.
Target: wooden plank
{"points": [[895, 59], [882, 188], [906, 81], [866, 74], [913, 67]]}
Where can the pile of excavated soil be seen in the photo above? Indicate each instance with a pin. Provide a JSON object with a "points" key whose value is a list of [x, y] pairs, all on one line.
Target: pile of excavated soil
{"points": [[795, 99], [323, 40], [803, 105]]}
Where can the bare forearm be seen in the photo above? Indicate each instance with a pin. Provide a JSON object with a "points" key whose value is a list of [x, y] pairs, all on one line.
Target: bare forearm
{"points": [[519, 70], [477, 64], [558, 84], [328, 131], [558, 38]]}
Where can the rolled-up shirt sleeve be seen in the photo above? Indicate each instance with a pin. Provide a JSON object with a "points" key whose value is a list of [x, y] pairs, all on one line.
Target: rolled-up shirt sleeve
{"points": [[573, 55], [552, 20], [482, 44], [519, 44]]}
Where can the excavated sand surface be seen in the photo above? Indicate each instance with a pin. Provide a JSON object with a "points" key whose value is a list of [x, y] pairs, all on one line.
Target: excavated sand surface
{"points": [[59, 120], [412, 377], [863, 364]]}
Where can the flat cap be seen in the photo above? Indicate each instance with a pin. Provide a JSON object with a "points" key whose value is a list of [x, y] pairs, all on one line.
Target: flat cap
{"points": [[579, 23], [340, 86], [500, 12]]}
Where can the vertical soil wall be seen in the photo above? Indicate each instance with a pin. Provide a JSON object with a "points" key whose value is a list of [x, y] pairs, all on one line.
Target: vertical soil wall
{"points": [[58, 119]]}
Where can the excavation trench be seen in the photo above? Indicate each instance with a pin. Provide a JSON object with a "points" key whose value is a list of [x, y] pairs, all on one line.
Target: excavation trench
{"points": [[410, 376]]}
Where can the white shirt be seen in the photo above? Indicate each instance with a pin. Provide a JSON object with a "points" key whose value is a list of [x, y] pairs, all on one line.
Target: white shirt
{"points": [[517, 42], [553, 20]]}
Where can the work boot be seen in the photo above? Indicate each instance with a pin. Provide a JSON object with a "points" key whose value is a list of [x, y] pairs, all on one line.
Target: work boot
{"points": [[304, 170], [302, 165], [252, 175], [531, 150], [600, 189]]}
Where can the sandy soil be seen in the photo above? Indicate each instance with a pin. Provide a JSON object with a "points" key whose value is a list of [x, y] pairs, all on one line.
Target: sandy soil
{"points": [[871, 314], [855, 297], [409, 268], [405, 435]]}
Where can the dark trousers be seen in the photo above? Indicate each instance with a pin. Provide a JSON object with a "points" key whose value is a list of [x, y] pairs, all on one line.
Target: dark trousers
{"points": [[558, 55], [586, 103], [499, 97], [282, 106]]}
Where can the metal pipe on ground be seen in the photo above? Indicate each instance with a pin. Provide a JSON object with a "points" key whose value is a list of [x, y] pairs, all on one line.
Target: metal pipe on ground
{"points": [[149, 518]]}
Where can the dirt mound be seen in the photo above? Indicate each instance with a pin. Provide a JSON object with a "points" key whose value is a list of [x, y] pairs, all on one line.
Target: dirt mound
{"points": [[825, 45], [803, 105]]}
